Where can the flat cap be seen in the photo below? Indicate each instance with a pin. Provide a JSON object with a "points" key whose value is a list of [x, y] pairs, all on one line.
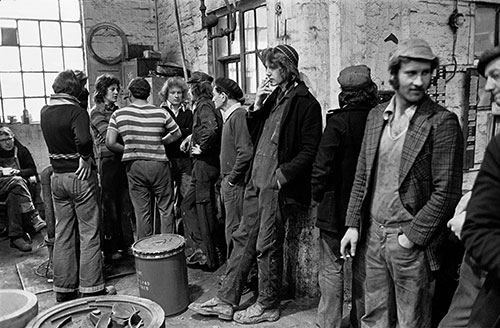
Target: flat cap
{"points": [[198, 77], [486, 57], [289, 52], [413, 48], [354, 77], [139, 88], [230, 87]]}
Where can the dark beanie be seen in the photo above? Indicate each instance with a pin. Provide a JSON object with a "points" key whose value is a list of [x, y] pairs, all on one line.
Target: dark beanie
{"points": [[228, 86], [486, 57], [289, 52], [139, 88]]}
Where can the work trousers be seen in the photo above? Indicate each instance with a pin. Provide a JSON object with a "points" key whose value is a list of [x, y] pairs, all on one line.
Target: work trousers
{"points": [[146, 178], [19, 223], [76, 207], [232, 198], [398, 287]]}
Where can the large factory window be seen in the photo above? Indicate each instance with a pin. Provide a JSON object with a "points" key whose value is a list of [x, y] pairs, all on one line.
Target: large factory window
{"points": [[236, 55], [38, 39]]}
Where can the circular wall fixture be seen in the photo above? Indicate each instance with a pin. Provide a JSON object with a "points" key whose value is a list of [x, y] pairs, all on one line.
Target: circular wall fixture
{"points": [[107, 43]]}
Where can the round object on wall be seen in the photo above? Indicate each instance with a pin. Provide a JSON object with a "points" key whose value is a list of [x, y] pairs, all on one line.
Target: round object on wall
{"points": [[107, 43]]}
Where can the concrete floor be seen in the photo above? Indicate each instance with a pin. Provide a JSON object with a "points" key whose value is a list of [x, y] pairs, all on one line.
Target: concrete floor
{"points": [[202, 286]]}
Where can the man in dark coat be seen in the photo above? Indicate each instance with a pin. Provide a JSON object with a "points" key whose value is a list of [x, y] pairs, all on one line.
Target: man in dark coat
{"points": [[285, 124], [332, 178]]}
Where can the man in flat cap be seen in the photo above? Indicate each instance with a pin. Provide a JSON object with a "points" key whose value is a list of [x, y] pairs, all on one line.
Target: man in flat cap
{"points": [[407, 183], [285, 125], [236, 153], [332, 178], [145, 130], [199, 207], [475, 303]]}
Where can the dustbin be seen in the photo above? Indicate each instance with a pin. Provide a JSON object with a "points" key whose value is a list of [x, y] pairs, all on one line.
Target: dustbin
{"points": [[17, 308], [161, 269]]}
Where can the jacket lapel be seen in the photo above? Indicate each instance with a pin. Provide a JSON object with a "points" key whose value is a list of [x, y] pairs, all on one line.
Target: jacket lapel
{"points": [[373, 137]]}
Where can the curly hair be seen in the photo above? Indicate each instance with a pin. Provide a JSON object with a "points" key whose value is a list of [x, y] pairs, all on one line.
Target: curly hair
{"points": [[201, 89], [174, 82], [102, 83], [367, 96], [274, 58], [395, 66]]}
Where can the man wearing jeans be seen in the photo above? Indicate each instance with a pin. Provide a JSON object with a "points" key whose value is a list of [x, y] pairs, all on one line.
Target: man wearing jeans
{"points": [[145, 129], [66, 130], [407, 184]]}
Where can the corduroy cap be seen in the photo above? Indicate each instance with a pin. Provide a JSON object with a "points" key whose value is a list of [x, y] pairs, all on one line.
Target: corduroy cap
{"points": [[228, 86], [139, 88], [486, 57], [289, 52], [354, 77], [413, 48], [198, 77]]}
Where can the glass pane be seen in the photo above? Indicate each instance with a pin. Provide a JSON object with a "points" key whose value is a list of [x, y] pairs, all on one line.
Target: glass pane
{"points": [[34, 105], [70, 10], [29, 34], [13, 110], [7, 22], [235, 45], [261, 71], [11, 85], [38, 9], [261, 13], [222, 48], [31, 59], [72, 34], [51, 34], [9, 59], [232, 71], [73, 58], [49, 79], [485, 33], [251, 73], [52, 59], [249, 21], [33, 84]]}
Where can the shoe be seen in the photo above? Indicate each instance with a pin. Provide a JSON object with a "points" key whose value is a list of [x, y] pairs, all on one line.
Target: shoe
{"points": [[65, 297], [255, 314], [197, 258], [21, 244], [214, 307], [108, 290], [37, 223]]}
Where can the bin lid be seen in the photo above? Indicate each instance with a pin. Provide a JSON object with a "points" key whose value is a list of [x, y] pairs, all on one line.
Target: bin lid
{"points": [[159, 245], [17, 308]]}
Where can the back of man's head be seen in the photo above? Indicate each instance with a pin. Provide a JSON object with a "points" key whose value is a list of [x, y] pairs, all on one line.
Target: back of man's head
{"points": [[67, 82], [139, 88]]}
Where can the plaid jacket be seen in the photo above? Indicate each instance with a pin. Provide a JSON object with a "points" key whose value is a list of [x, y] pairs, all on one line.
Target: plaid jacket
{"points": [[430, 175]]}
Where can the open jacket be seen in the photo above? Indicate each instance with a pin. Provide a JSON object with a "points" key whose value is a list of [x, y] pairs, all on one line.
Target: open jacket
{"points": [[430, 175], [299, 137]]}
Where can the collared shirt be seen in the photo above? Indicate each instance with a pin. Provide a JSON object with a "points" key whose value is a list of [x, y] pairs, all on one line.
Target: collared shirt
{"points": [[227, 113], [391, 108], [99, 121]]}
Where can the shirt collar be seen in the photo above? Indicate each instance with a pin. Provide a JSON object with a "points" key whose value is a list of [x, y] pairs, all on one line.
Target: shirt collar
{"points": [[181, 107], [389, 110], [227, 113]]}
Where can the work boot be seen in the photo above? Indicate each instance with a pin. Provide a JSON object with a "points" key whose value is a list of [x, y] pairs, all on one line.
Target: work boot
{"points": [[37, 222], [21, 244], [214, 306], [255, 314], [109, 290], [65, 297]]}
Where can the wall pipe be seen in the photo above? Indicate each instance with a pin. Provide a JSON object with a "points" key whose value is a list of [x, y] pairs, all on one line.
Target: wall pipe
{"points": [[179, 34]]}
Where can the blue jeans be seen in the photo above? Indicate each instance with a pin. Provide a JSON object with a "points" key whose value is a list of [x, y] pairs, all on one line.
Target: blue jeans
{"points": [[232, 197], [398, 283], [144, 178], [471, 280], [331, 283], [76, 207]]}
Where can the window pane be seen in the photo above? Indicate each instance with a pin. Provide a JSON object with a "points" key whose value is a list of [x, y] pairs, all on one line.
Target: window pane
{"points": [[29, 34], [261, 27], [31, 59], [232, 71], [485, 33], [235, 45], [9, 59], [38, 9], [222, 48], [52, 59], [251, 74], [13, 110], [261, 71], [249, 22], [34, 105], [72, 34], [49, 79], [70, 10], [11, 85], [51, 35], [33, 84], [73, 58]]}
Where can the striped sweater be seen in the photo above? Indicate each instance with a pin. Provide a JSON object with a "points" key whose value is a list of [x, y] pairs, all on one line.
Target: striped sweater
{"points": [[141, 129]]}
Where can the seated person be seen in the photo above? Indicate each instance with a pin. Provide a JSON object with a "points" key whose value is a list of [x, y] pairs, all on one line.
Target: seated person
{"points": [[17, 167]]}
